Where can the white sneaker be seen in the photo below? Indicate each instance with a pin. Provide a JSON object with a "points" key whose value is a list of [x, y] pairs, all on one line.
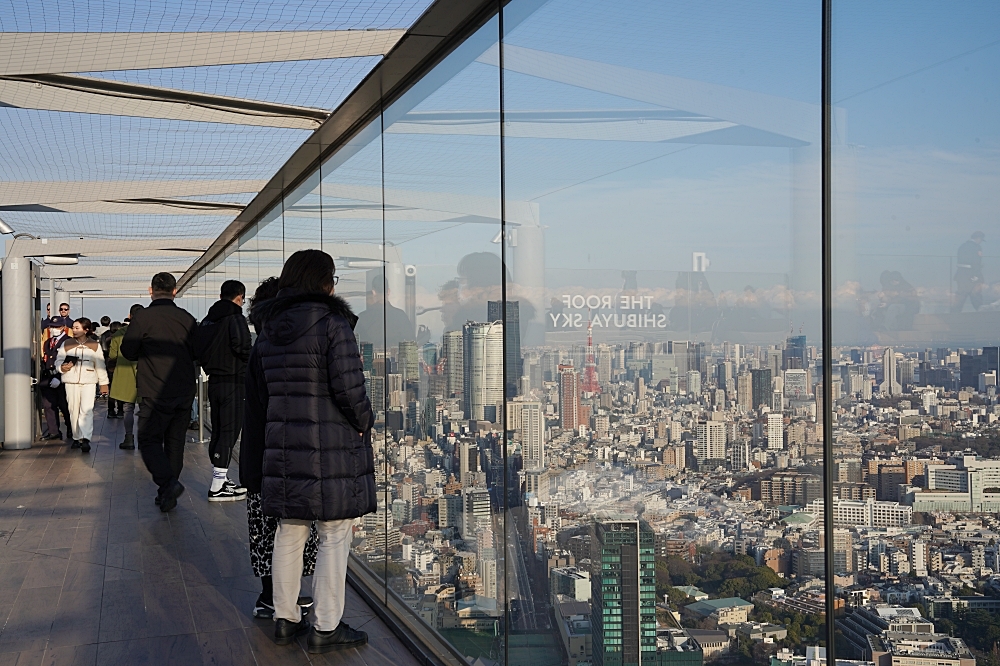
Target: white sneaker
{"points": [[229, 492]]}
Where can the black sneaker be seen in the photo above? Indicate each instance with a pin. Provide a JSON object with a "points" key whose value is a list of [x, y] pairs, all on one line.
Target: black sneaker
{"points": [[168, 498], [85, 445], [76, 444], [305, 606], [341, 638], [263, 609], [285, 631], [229, 492]]}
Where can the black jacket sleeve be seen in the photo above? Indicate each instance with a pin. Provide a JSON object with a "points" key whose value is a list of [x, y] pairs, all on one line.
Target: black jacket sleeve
{"points": [[132, 342], [346, 375], [239, 337], [254, 422]]}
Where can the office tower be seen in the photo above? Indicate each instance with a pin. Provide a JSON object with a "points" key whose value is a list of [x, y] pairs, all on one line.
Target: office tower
{"points": [[694, 382], [623, 592], [483, 367], [494, 312], [724, 375], [640, 388], [449, 511], [973, 365], [569, 398], [376, 392], [711, 441], [532, 427], [453, 352], [843, 550], [468, 461], [796, 384], [773, 362], [739, 456], [367, 356], [476, 511], [409, 363], [906, 367], [889, 385], [793, 357], [761, 383], [744, 391], [604, 364], [775, 431]]}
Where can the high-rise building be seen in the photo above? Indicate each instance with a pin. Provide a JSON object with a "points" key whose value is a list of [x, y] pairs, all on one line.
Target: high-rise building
{"points": [[694, 382], [468, 461], [775, 431], [494, 312], [569, 398], [739, 455], [796, 384], [711, 441], [449, 511], [744, 391], [532, 427], [476, 511], [453, 352], [761, 388], [724, 375], [889, 385], [793, 357], [623, 592], [483, 367], [409, 362], [367, 356]]}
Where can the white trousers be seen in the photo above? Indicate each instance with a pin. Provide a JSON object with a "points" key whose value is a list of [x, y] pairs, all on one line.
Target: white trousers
{"points": [[330, 578], [81, 409]]}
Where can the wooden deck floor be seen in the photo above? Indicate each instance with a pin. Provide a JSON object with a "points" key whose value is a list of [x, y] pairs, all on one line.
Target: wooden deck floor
{"points": [[92, 573]]}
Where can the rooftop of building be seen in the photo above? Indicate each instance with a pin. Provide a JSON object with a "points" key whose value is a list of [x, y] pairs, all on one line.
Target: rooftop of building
{"points": [[709, 606]]}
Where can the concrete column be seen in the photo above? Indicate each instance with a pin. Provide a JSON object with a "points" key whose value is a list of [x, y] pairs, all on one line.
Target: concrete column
{"points": [[17, 321]]}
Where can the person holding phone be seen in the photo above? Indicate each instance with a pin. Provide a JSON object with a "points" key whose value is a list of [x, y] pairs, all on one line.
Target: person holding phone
{"points": [[81, 362]]}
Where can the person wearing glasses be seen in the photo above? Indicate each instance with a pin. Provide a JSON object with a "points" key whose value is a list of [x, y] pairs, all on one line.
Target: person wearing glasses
{"points": [[307, 442], [81, 362]]}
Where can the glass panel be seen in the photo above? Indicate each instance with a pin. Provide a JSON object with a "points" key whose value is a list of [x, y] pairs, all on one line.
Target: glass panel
{"points": [[349, 199], [444, 342], [270, 244], [662, 171], [917, 315]]}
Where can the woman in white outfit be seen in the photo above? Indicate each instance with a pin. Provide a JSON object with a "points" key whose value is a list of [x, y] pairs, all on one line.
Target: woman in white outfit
{"points": [[81, 362]]}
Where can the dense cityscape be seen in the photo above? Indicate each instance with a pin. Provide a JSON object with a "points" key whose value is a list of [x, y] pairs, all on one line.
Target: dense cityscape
{"points": [[667, 497]]}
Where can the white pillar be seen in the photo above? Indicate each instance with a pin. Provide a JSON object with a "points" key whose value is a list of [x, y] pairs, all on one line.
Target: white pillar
{"points": [[526, 261], [17, 323]]}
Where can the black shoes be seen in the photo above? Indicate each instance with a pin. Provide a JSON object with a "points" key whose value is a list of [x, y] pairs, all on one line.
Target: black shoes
{"points": [[169, 495], [85, 445], [129, 443], [76, 444], [341, 638], [285, 631], [51, 438], [229, 492]]}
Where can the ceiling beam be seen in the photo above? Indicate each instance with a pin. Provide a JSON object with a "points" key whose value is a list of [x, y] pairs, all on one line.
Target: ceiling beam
{"points": [[82, 94], [58, 52], [22, 193]]}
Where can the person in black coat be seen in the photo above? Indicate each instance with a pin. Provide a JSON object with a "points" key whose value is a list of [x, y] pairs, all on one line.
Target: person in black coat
{"points": [[308, 410], [222, 345], [160, 339]]}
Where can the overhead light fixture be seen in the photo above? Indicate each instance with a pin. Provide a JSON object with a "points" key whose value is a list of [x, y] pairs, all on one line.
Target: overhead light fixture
{"points": [[5, 228], [61, 259]]}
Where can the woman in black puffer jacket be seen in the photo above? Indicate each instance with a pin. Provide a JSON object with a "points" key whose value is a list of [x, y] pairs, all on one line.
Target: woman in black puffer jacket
{"points": [[308, 410]]}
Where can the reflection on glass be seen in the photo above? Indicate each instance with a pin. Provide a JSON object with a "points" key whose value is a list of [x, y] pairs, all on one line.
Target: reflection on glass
{"points": [[917, 324], [663, 219]]}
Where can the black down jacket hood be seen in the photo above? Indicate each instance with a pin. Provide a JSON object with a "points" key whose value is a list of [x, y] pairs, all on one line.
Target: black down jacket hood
{"points": [[306, 443]]}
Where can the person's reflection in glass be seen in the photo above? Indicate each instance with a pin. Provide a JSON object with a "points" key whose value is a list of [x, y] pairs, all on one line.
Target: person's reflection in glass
{"points": [[969, 273], [465, 297], [898, 303], [382, 319], [695, 307]]}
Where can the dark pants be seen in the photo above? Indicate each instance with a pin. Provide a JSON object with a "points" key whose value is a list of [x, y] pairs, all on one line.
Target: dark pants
{"points": [[162, 428], [53, 403], [226, 400]]}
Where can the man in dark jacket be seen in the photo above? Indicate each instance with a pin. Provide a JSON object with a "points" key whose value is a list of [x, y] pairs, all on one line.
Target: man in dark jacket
{"points": [[160, 339], [969, 273], [222, 345], [307, 442]]}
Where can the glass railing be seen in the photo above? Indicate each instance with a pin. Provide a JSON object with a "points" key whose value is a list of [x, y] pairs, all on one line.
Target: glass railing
{"points": [[587, 266]]}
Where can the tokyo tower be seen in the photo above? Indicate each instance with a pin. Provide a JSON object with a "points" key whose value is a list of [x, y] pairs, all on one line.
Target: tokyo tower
{"points": [[589, 384]]}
